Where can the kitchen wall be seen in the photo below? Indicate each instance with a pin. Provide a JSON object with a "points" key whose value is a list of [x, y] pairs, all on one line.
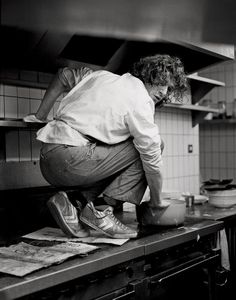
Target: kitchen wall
{"points": [[218, 141], [20, 151]]}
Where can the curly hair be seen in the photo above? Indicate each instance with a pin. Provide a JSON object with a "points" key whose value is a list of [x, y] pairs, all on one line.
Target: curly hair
{"points": [[163, 69]]}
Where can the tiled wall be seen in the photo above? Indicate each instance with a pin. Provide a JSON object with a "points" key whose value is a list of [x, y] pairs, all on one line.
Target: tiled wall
{"points": [[181, 169], [218, 151], [218, 141], [15, 103]]}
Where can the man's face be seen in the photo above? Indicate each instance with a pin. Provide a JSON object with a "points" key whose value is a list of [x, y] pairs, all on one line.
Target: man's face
{"points": [[157, 93]]}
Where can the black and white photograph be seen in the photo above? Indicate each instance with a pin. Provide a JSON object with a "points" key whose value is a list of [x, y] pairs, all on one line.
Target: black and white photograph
{"points": [[118, 150]]}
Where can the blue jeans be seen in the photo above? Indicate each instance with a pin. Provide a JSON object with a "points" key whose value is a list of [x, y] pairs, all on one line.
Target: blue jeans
{"points": [[114, 170]]}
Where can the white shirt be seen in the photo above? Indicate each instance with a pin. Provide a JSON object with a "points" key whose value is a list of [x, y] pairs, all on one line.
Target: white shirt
{"points": [[109, 108]]}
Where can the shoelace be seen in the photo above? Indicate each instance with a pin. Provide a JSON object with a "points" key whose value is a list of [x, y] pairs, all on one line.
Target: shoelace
{"points": [[117, 222]]}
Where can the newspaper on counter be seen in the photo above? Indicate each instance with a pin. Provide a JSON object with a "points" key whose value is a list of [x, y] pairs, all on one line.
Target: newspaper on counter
{"points": [[56, 234], [22, 258], [17, 267]]}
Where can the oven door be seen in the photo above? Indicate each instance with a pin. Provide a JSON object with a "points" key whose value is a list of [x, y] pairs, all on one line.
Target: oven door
{"points": [[194, 279]]}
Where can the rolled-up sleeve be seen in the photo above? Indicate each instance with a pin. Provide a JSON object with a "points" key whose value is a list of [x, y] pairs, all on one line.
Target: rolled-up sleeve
{"points": [[70, 77], [146, 138]]}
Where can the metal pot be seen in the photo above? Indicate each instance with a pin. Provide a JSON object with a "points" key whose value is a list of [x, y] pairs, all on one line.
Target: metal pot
{"points": [[173, 215]]}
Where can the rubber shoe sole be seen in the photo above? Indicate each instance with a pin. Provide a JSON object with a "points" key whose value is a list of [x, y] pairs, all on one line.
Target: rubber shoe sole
{"points": [[108, 224], [60, 219]]}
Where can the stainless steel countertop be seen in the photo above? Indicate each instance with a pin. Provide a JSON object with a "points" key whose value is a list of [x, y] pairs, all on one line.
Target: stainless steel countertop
{"points": [[147, 243]]}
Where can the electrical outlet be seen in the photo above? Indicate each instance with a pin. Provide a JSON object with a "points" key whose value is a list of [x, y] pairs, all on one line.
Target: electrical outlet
{"points": [[190, 148]]}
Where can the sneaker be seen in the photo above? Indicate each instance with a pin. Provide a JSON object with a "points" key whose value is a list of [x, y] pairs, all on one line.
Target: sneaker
{"points": [[65, 214], [103, 220]]}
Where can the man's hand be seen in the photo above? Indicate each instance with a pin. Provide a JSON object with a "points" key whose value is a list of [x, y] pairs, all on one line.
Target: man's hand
{"points": [[162, 204], [31, 118]]}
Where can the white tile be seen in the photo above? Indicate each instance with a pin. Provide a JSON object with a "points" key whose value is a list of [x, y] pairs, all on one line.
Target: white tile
{"points": [[186, 166], [202, 161], [165, 184], [222, 143], [2, 114], [196, 165], [34, 105], [176, 166], [11, 107], [229, 94], [181, 166], [25, 145], [234, 89], [10, 90], [23, 107], [186, 142], [209, 173], [36, 146], [234, 176], [164, 167], [230, 173], [35, 93], [223, 173], [222, 160], [215, 173], [196, 145], [12, 146], [186, 184], [221, 76], [228, 78], [215, 159], [230, 160], [215, 144], [222, 94], [168, 145], [234, 141], [169, 165], [23, 92], [175, 145], [174, 124], [214, 94], [208, 160], [230, 144], [180, 145], [168, 123]]}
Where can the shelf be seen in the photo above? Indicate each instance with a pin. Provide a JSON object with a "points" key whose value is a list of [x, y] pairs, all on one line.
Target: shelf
{"points": [[198, 112], [19, 123], [192, 107], [196, 109], [25, 83], [218, 121], [200, 86]]}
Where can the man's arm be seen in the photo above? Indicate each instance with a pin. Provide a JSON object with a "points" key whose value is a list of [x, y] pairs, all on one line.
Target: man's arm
{"points": [[55, 89], [150, 146], [155, 185], [64, 81]]}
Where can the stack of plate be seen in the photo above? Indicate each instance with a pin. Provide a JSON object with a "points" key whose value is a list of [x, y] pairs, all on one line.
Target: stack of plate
{"points": [[222, 198]]}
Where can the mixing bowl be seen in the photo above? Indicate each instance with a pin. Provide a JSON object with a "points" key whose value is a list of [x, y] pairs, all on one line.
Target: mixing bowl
{"points": [[173, 215], [222, 198]]}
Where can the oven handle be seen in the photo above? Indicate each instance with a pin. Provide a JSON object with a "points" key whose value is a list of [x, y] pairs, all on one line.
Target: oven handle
{"points": [[128, 294], [183, 268]]}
